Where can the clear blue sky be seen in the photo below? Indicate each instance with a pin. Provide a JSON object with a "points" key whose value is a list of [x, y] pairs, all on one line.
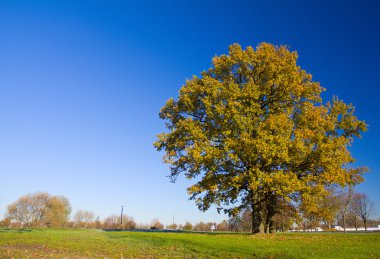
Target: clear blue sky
{"points": [[82, 82]]}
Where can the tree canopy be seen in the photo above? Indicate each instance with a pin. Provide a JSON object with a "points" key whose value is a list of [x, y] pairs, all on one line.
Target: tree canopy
{"points": [[253, 130], [40, 209]]}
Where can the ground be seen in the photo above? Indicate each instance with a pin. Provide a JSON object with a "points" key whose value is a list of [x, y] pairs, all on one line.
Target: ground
{"points": [[69, 243]]}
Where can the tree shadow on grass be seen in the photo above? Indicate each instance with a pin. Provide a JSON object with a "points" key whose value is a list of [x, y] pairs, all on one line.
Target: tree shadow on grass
{"points": [[15, 230], [177, 231]]}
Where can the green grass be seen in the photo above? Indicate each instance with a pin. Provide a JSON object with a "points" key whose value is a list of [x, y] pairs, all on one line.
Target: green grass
{"points": [[95, 243]]}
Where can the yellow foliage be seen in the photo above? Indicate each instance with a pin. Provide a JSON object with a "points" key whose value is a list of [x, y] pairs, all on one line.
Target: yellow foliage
{"points": [[254, 126]]}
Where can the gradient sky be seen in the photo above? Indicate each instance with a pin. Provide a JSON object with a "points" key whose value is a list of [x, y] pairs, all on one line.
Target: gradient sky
{"points": [[82, 82]]}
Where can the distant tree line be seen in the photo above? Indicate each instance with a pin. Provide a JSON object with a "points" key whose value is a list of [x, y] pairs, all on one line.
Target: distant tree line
{"points": [[41, 209], [343, 207]]}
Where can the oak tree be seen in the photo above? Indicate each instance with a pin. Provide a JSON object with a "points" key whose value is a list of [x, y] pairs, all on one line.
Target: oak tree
{"points": [[253, 129]]}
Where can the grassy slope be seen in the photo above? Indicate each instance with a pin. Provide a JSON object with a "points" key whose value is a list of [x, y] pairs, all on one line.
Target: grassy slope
{"points": [[92, 243]]}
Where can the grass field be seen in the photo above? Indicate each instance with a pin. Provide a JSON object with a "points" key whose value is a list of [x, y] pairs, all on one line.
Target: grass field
{"points": [[96, 243]]}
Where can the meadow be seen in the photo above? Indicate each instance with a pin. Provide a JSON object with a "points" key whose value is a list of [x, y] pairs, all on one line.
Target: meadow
{"points": [[69, 243]]}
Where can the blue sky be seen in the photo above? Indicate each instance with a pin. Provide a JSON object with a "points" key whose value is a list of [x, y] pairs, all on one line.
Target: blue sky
{"points": [[82, 82]]}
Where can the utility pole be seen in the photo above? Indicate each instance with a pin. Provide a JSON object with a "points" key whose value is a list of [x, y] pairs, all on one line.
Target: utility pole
{"points": [[121, 216]]}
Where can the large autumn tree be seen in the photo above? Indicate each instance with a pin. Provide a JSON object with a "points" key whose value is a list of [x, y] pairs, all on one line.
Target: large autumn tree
{"points": [[252, 130]]}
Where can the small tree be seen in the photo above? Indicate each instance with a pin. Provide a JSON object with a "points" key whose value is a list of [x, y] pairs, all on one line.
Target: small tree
{"points": [[172, 226], [353, 210], [246, 220], [156, 224], [235, 223], [201, 226], [98, 224], [84, 218], [188, 226], [5, 223], [285, 216], [365, 208], [111, 221], [57, 213], [241, 222], [128, 222], [345, 199], [222, 226]]}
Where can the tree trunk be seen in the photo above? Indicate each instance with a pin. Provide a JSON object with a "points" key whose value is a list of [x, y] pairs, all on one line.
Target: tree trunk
{"points": [[269, 226], [268, 208], [257, 224], [344, 223], [365, 224]]}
